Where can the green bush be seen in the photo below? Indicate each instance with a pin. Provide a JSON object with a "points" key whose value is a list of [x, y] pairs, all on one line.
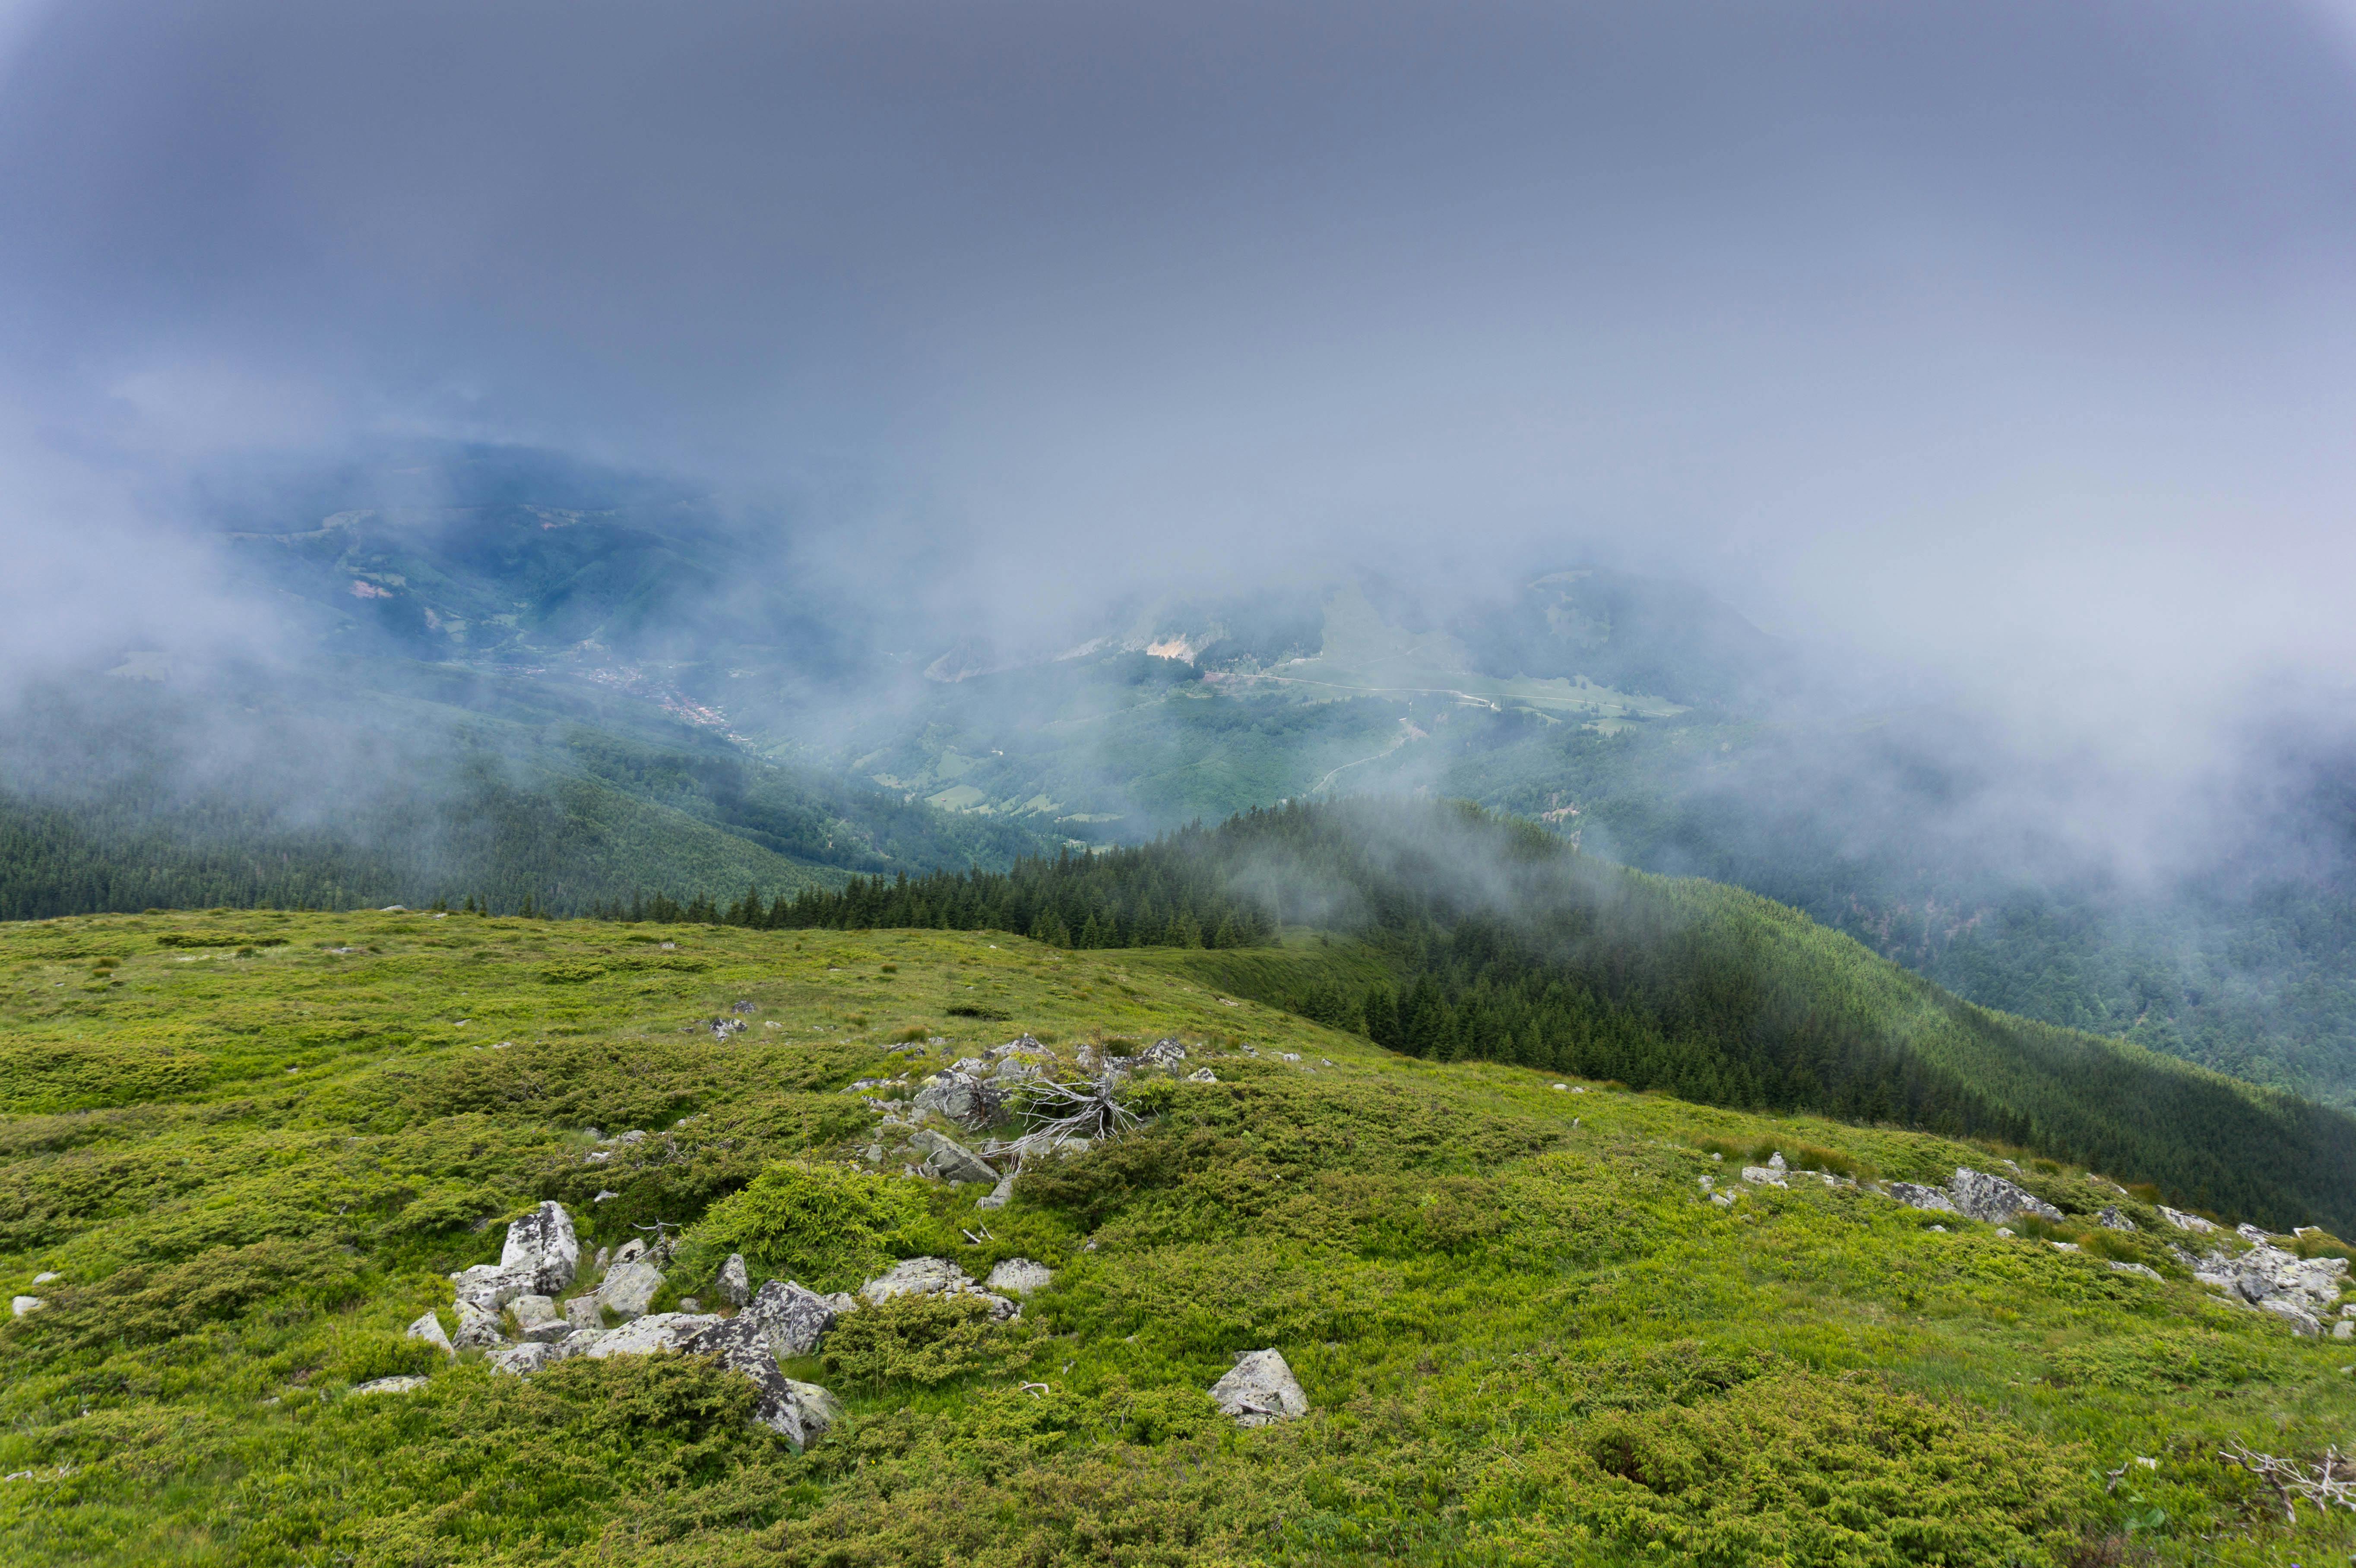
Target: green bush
{"points": [[826, 1225], [925, 1340]]}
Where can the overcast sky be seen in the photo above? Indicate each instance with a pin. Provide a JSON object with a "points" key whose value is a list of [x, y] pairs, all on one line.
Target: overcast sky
{"points": [[2013, 338]]}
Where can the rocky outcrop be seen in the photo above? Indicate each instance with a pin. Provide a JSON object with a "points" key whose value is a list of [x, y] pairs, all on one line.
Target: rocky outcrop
{"points": [[1260, 1389], [2144, 1270], [798, 1411], [2183, 1221], [541, 1250], [478, 1328], [951, 1161], [1772, 1174], [1019, 1276], [2297, 1289], [933, 1276], [792, 1319], [1933, 1199], [537, 1318], [429, 1328], [734, 1286], [581, 1312], [630, 1288], [2111, 1219], [1993, 1199]]}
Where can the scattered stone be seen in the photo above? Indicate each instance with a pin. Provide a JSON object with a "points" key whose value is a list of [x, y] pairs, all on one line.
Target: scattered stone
{"points": [[790, 1318], [1019, 1276], [478, 1328], [630, 1288], [2063, 1246], [532, 1356], [1919, 1197], [799, 1412], [917, 1277], [1163, 1052], [735, 1285], [1201, 1075], [2111, 1219], [1722, 1199], [605, 1195], [44, 1277], [2267, 1274], [1763, 1175], [690, 1304], [486, 1287], [581, 1312], [391, 1385], [644, 1335], [1287, 1056], [2003, 1230], [1941, 1228], [2144, 1270], [538, 1320], [1993, 1199], [1562, 1086], [2300, 1320], [951, 1160], [429, 1328], [1260, 1389], [998, 1195], [20, 1304], [541, 1248], [2344, 1329]]}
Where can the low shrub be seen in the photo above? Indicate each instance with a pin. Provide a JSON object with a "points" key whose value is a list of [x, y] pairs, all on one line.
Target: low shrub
{"points": [[826, 1225]]}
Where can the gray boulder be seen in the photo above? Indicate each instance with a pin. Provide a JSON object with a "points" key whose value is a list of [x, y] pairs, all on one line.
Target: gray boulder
{"points": [[582, 1313], [538, 1320], [523, 1360], [478, 1328], [1917, 1197], [1995, 1200], [20, 1304], [1019, 1277], [1260, 1389], [486, 1286], [2265, 1275], [2301, 1320], [2183, 1221], [790, 1318], [2144, 1270], [798, 1411], [645, 1336], [735, 1286], [2111, 1219], [391, 1385], [429, 1328], [1164, 1053], [1201, 1075], [628, 1289], [543, 1251], [917, 1277], [951, 1161], [998, 1195]]}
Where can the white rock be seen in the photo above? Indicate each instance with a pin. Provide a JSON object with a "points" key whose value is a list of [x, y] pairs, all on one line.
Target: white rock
{"points": [[645, 1336], [2142, 1269], [44, 1278], [2183, 1221], [735, 1285], [429, 1328], [391, 1385], [2299, 1319], [541, 1249], [630, 1288], [20, 1304], [1995, 1200], [1919, 1197], [523, 1360], [478, 1328], [1763, 1174], [998, 1195], [1261, 1388], [917, 1277], [791, 1319], [2344, 1329], [582, 1314], [1019, 1276], [538, 1319]]}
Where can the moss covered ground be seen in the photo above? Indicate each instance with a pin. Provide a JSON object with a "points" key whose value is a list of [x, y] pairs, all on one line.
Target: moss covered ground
{"points": [[251, 1145]]}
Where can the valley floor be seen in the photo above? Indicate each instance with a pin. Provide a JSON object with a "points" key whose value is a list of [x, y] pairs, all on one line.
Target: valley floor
{"points": [[249, 1148]]}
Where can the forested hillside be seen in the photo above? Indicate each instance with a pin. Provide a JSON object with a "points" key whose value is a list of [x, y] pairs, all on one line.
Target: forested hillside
{"points": [[1510, 946]]}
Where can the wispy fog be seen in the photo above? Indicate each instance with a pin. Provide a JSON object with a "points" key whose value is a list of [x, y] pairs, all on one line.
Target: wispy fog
{"points": [[2000, 349]]}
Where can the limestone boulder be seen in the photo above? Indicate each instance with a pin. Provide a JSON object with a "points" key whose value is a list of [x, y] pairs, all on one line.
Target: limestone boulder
{"points": [[1019, 1276], [733, 1283], [2112, 1218], [391, 1385], [537, 1319], [1918, 1197], [917, 1277], [1260, 1389], [541, 1250], [790, 1318], [628, 1289], [582, 1313], [1993, 1200], [429, 1328], [799, 1412], [478, 1328]]}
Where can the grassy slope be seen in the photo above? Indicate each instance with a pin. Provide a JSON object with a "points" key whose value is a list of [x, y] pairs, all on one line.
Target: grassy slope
{"points": [[1527, 1336]]}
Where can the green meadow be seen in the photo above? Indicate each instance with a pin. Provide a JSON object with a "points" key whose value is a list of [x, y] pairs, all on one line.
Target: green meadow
{"points": [[251, 1145]]}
